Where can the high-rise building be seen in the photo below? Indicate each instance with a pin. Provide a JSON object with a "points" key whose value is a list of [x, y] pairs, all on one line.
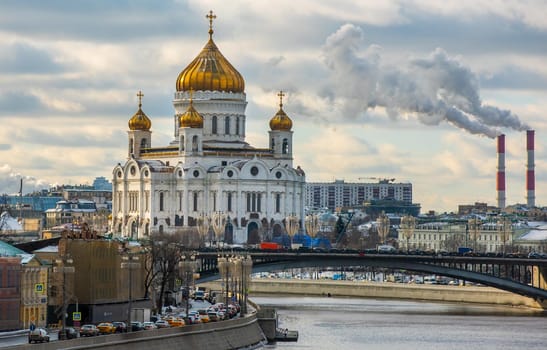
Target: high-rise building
{"points": [[346, 194], [207, 167]]}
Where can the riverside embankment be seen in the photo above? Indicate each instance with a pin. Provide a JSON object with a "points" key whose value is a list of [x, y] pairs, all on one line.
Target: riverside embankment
{"points": [[441, 293]]}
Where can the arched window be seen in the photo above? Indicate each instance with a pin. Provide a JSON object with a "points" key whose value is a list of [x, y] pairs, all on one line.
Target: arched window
{"points": [[143, 143], [227, 126], [130, 146], [182, 142], [195, 143], [277, 203], [285, 146], [237, 126], [161, 201], [272, 144], [214, 125], [229, 201]]}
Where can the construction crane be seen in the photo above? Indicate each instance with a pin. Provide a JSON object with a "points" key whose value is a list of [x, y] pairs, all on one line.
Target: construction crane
{"points": [[382, 180]]}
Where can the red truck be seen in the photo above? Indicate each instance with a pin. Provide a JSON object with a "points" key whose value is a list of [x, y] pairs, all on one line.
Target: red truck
{"points": [[270, 246]]}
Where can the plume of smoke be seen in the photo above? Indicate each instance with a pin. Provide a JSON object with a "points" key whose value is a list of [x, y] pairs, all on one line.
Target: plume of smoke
{"points": [[436, 88]]}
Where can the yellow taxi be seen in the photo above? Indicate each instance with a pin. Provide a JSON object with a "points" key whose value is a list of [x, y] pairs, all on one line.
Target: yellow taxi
{"points": [[106, 328], [175, 321], [204, 317]]}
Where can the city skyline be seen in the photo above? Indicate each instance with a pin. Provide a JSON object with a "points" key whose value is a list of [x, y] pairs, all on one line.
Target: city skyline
{"points": [[411, 90]]}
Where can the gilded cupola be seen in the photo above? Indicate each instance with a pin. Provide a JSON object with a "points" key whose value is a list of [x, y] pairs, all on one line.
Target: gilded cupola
{"points": [[191, 118], [140, 121], [281, 121], [210, 70]]}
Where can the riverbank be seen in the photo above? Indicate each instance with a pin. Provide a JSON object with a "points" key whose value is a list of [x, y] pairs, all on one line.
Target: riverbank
{"points": [[441, 293]]}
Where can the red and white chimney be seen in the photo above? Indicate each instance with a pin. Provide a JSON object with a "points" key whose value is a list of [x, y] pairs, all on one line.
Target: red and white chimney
{"points": [[530, 172], [500, 179]]}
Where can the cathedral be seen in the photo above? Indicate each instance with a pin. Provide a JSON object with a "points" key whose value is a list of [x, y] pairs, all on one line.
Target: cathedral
{"points": [[208, 170]]}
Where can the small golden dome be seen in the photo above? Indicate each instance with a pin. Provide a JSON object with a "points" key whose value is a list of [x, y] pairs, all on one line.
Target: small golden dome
{"points": [[191, 118], [140, 121], [281, 121], [210, 70]]}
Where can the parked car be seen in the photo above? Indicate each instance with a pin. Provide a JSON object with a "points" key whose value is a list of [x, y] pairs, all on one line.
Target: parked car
{"points": [[162, 324], [149, 325], [89, 330], [136, 326], [106, 328], [121, 327], [71, 333], [38, 335]]}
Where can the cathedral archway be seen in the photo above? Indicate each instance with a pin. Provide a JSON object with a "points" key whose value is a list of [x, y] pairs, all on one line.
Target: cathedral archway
{"points": [[229, 232], [277, 230], [253, 236]]}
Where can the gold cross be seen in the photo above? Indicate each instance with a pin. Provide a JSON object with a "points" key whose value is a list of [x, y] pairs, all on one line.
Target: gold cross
{"points": [[140, 95], [211, 16], [281, 95]]}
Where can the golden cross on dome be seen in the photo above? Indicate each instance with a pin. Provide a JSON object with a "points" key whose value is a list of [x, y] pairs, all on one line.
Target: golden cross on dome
{"points": [[211, 16], [140, 95], [281, 95]]}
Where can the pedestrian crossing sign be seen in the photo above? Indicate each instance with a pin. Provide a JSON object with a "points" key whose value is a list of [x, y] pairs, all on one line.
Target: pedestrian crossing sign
{"points": [[39, 287], [76, 316]]}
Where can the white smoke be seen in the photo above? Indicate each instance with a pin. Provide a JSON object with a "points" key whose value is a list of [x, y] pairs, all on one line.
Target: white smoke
{"points": [[10, 182], [434, 89]]}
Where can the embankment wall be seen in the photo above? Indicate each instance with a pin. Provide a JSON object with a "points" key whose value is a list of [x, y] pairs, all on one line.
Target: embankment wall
{"points": [[232, 334], [441, 293]]}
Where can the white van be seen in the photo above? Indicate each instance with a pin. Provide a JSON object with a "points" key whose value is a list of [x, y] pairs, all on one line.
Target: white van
{"points": [[386, 249]]}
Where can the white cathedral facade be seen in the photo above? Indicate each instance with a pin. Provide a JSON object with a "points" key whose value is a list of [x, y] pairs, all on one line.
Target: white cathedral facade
{"points": [[208, 168]]}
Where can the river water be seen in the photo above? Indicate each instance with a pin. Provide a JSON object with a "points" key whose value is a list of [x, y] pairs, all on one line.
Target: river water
{"points": [[349, 323]]}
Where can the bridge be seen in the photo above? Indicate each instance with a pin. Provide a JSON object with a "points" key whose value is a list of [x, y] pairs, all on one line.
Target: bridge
{"points": [[527, 277]]}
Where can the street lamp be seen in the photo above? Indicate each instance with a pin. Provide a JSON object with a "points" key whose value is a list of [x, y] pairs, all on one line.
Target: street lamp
{"points": [[312, 226], [246, 270], [408, 223], [63, 269], [504, 230], [187, 266], [223, 269], [130, 262], [474, 225], [219, 223], [202, 224], [383, 226], [292, 225]]}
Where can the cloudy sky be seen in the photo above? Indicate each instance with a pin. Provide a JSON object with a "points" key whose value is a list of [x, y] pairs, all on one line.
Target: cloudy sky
{"points": [[414, 90]]}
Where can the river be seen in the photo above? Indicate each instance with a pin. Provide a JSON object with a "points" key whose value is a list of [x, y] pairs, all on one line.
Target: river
{"points": [[369, 324]]}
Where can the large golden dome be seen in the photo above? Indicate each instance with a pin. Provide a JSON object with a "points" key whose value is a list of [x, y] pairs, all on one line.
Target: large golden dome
{"points": [[191, 118], [210, 70], [281, 121], [140, 121]]}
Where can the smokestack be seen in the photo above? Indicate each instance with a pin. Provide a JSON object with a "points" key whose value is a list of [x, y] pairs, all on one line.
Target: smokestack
{"points": [[500, 179], [530, 172]]}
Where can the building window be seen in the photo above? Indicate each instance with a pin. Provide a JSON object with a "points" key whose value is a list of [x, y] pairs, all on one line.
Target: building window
{"points": [[285, 146], [278, 203], [131, 146], [229, 201], [214, 125], [227, 126], [182, 142], [248, 202], [254, 202], [237, 126], [272, 144], [214, 201], [195, 201], [254, 171], [143, 143], [161, 201], [195, 143], [180, 200], [258, 202]]}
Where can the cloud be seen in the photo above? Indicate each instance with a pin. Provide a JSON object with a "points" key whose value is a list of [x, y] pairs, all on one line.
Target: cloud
{"points": [[10, 181], [435, 88], [22, 58]]}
